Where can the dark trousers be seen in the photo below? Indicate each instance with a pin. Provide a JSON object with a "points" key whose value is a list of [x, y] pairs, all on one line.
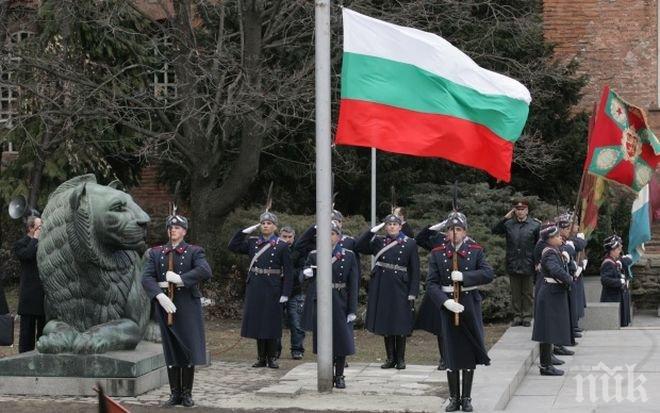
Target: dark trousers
{"points": [[32, 327], [294, 311], [521, 297]]}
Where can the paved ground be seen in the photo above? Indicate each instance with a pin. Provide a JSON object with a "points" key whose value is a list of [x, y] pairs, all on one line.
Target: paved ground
{"points": [[611, 371]]}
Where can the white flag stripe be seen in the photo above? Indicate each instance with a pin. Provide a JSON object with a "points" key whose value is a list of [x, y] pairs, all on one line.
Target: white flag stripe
{"points": [[368, 36]]}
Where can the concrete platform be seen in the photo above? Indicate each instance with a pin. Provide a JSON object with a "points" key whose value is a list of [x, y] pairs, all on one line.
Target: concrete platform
{"points": [[121, 373]]}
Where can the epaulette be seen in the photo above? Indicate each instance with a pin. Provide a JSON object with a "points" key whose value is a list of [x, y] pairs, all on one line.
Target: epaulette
{"points": [[606, 260], [312, 252], [475, 246], [439, 248], [537, 220], [546, 249]]}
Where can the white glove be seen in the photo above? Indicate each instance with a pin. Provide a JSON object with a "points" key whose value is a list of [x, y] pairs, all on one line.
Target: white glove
{"points": [[584, 263], [251, 229], [628, 256], [411, 297], [580, 235], [578, 271], [456, 276], [567, 258], [623, 282], [571, 243], [166, 303], [350, 318], [439, 226], [284, 299], [308, 272], [453, 306], [173, 277], [377, 227]]}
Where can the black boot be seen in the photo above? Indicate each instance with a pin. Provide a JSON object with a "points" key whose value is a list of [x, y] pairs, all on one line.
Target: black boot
{"points": [[441, 364], [174, 377], [562, 351], [555, 361], [454, 392], [400, 350], [466, 401], [389, 349], [261, 353], [272, 354], [187, 377], [338, 379], [545, 357]]}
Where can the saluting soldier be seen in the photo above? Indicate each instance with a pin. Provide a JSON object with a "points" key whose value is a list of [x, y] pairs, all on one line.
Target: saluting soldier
{"points": [[463, 261], [307, 241], [345, 279], [552, 321], [428, 316], [268, 286], [184, 344], [564, 224], [580, 244], [393, 287], [613, 279]]}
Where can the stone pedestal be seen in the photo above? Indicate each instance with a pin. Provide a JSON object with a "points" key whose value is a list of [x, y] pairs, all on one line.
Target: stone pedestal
{"points": [[121, 373]]}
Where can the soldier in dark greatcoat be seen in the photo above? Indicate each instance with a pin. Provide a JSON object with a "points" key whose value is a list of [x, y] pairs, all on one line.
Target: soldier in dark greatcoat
{"points": [[568, 247], [428, 316], [616, 286], [393, 287], [552, 321], [579, 242], [459, 260], [345, 279], [268, 286], [184, 344]]}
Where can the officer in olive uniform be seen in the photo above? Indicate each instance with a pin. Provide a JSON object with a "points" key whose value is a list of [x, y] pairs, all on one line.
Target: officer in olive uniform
{"points": [[428, 317], [522, 233], [184, 344], [616, 285], [460, 260], [552, 320], [345, 279], [268, 286], [393, 287]]}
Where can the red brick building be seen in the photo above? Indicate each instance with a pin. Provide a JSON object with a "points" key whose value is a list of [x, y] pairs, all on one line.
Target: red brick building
{"points": [[615, 42]]}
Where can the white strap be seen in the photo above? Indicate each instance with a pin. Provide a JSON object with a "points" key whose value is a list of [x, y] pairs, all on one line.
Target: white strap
{"points": [[450, 288], [257, 255], [383, 250]]}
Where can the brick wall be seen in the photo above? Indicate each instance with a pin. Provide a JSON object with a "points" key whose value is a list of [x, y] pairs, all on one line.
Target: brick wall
{"points": [[154, 199], [615, 43]]}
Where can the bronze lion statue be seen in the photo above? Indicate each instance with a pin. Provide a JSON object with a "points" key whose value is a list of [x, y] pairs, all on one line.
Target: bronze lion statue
{"points": [[89, 262]]}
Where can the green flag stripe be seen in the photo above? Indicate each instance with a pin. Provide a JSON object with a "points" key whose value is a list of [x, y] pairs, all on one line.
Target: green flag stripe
{"points": [[406, 86]]}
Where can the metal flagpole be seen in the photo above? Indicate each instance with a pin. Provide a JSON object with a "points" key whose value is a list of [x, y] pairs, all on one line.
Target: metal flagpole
{"points": [[373, 193], [323, 196]]}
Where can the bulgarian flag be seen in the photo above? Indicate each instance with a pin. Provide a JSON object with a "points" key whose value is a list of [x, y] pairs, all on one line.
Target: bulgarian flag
{"points": [[622, 148], [411, 92]]}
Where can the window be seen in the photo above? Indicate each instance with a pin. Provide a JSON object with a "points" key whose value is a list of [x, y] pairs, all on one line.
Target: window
{"points": [[165, 77], [8, 91]]}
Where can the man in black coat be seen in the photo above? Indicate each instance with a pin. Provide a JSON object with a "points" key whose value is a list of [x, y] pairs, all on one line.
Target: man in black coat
{"points": [[552, 321], [522, 233], [345, 279], [268, 286], [393, 286], [184, 344], [31, 296], [460, 261]]}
